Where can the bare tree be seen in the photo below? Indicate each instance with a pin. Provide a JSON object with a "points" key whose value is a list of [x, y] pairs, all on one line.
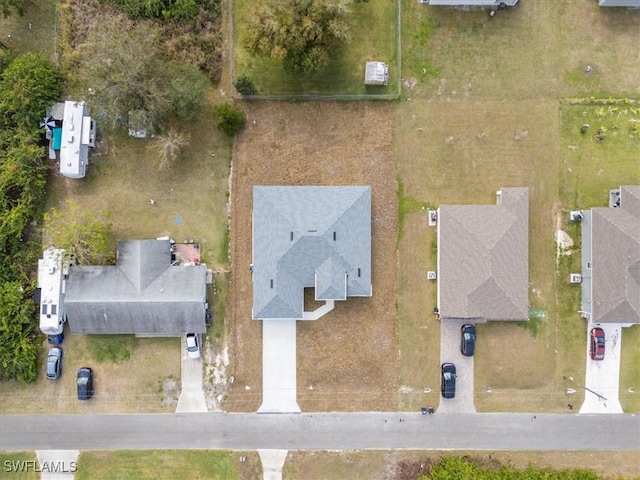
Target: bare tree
{"points": [[167, 147]]}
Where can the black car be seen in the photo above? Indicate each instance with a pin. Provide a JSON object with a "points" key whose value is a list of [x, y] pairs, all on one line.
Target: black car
{"points": [[448, 380], [85, 383], [54, 363], [468, 340]]}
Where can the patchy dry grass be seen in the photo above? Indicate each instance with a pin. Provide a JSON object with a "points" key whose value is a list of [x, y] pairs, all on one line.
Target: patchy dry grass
{"points": [[190, 202], [144, 378], [589, 168], [630, 373], [319, 143], [33, 32], [472, 84], [174, 464], [190, 198], [461, 152], [369, 464], [538, 49]]}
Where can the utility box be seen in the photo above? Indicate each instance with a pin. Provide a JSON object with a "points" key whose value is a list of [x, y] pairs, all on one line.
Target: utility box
{"points": [[376, 73]]}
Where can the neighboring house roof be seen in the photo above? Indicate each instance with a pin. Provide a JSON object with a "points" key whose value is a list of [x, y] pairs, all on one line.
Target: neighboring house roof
{"points": [[78, 134], [142, 294], [483, 259], [615, 259], [620, 3], [471, 3], [312, 236]]}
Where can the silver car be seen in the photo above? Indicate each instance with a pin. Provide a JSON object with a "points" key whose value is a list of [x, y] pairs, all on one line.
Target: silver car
{"points": [[193, 346], [54, 363]]}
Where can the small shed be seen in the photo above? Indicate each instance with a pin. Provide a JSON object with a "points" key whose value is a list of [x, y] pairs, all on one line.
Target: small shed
{"points": [[139, 124], [376, 73]]}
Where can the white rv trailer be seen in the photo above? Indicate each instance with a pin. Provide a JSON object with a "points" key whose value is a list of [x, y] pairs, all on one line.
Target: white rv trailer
{"points": [[52, 272]]}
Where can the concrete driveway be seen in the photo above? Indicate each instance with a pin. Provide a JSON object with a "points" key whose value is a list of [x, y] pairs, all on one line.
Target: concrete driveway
{"points": [[192, 395], [603, 376], [279, 362], [450, 352]]}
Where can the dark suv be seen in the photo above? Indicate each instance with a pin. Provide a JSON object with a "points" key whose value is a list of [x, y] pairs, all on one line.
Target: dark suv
{"points": [[448, 380], [85, 383], [468, 340]]}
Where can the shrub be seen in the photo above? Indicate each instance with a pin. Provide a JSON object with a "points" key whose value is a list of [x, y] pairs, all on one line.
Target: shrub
{"points": [[230, 118], [28, 86], [244, 85]]}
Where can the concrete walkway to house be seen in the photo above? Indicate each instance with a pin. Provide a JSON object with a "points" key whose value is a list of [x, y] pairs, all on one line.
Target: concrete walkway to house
{"points": [[279, 367], [192, 395], [272, 463], [602, 378], [450, 353], [57, 464]]}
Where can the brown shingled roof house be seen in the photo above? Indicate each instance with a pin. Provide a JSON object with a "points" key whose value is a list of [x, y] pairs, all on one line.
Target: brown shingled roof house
{"points": [[483, 259]]}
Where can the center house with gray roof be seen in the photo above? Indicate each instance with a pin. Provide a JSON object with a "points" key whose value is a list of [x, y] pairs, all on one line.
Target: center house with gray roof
{"points": [[483, 259], [143, 294], [304, 237]]}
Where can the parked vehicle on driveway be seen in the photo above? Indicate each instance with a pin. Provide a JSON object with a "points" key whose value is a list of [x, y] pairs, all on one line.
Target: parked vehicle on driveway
{"points": [[85, 383], [596, 349], [448, 380], [193, 346], [55, 339], [468, 340], [54, 363]]}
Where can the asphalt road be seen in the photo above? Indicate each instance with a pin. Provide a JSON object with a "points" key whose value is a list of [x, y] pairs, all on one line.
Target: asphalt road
{"points": [[321, 431]]}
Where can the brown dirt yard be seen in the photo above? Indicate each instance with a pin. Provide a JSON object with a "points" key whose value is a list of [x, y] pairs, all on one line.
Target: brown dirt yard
{"points": [[349, 356]]}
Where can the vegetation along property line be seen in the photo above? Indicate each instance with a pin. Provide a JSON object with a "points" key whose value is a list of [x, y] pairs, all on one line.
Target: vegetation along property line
{"points": [[317, 96]]}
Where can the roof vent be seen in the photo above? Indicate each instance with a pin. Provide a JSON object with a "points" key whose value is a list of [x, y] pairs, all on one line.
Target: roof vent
{"points": [[291, 236], [271, 283], [359, 273], [334, 236]]}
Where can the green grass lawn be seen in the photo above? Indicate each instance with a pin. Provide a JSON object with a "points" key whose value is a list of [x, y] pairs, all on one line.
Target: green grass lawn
{"points": [[33, 32], [156, 465], [369, 464], [630, 373], [374, 29], [471, 83], [588, 169], [11, 466], [190, 197]]}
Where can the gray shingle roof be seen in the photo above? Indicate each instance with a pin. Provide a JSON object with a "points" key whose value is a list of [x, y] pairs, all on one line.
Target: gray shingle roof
{"points": [[142, 294], [620, 3], [483, 259], [472, 3], [615, 260], [310, 236]]}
